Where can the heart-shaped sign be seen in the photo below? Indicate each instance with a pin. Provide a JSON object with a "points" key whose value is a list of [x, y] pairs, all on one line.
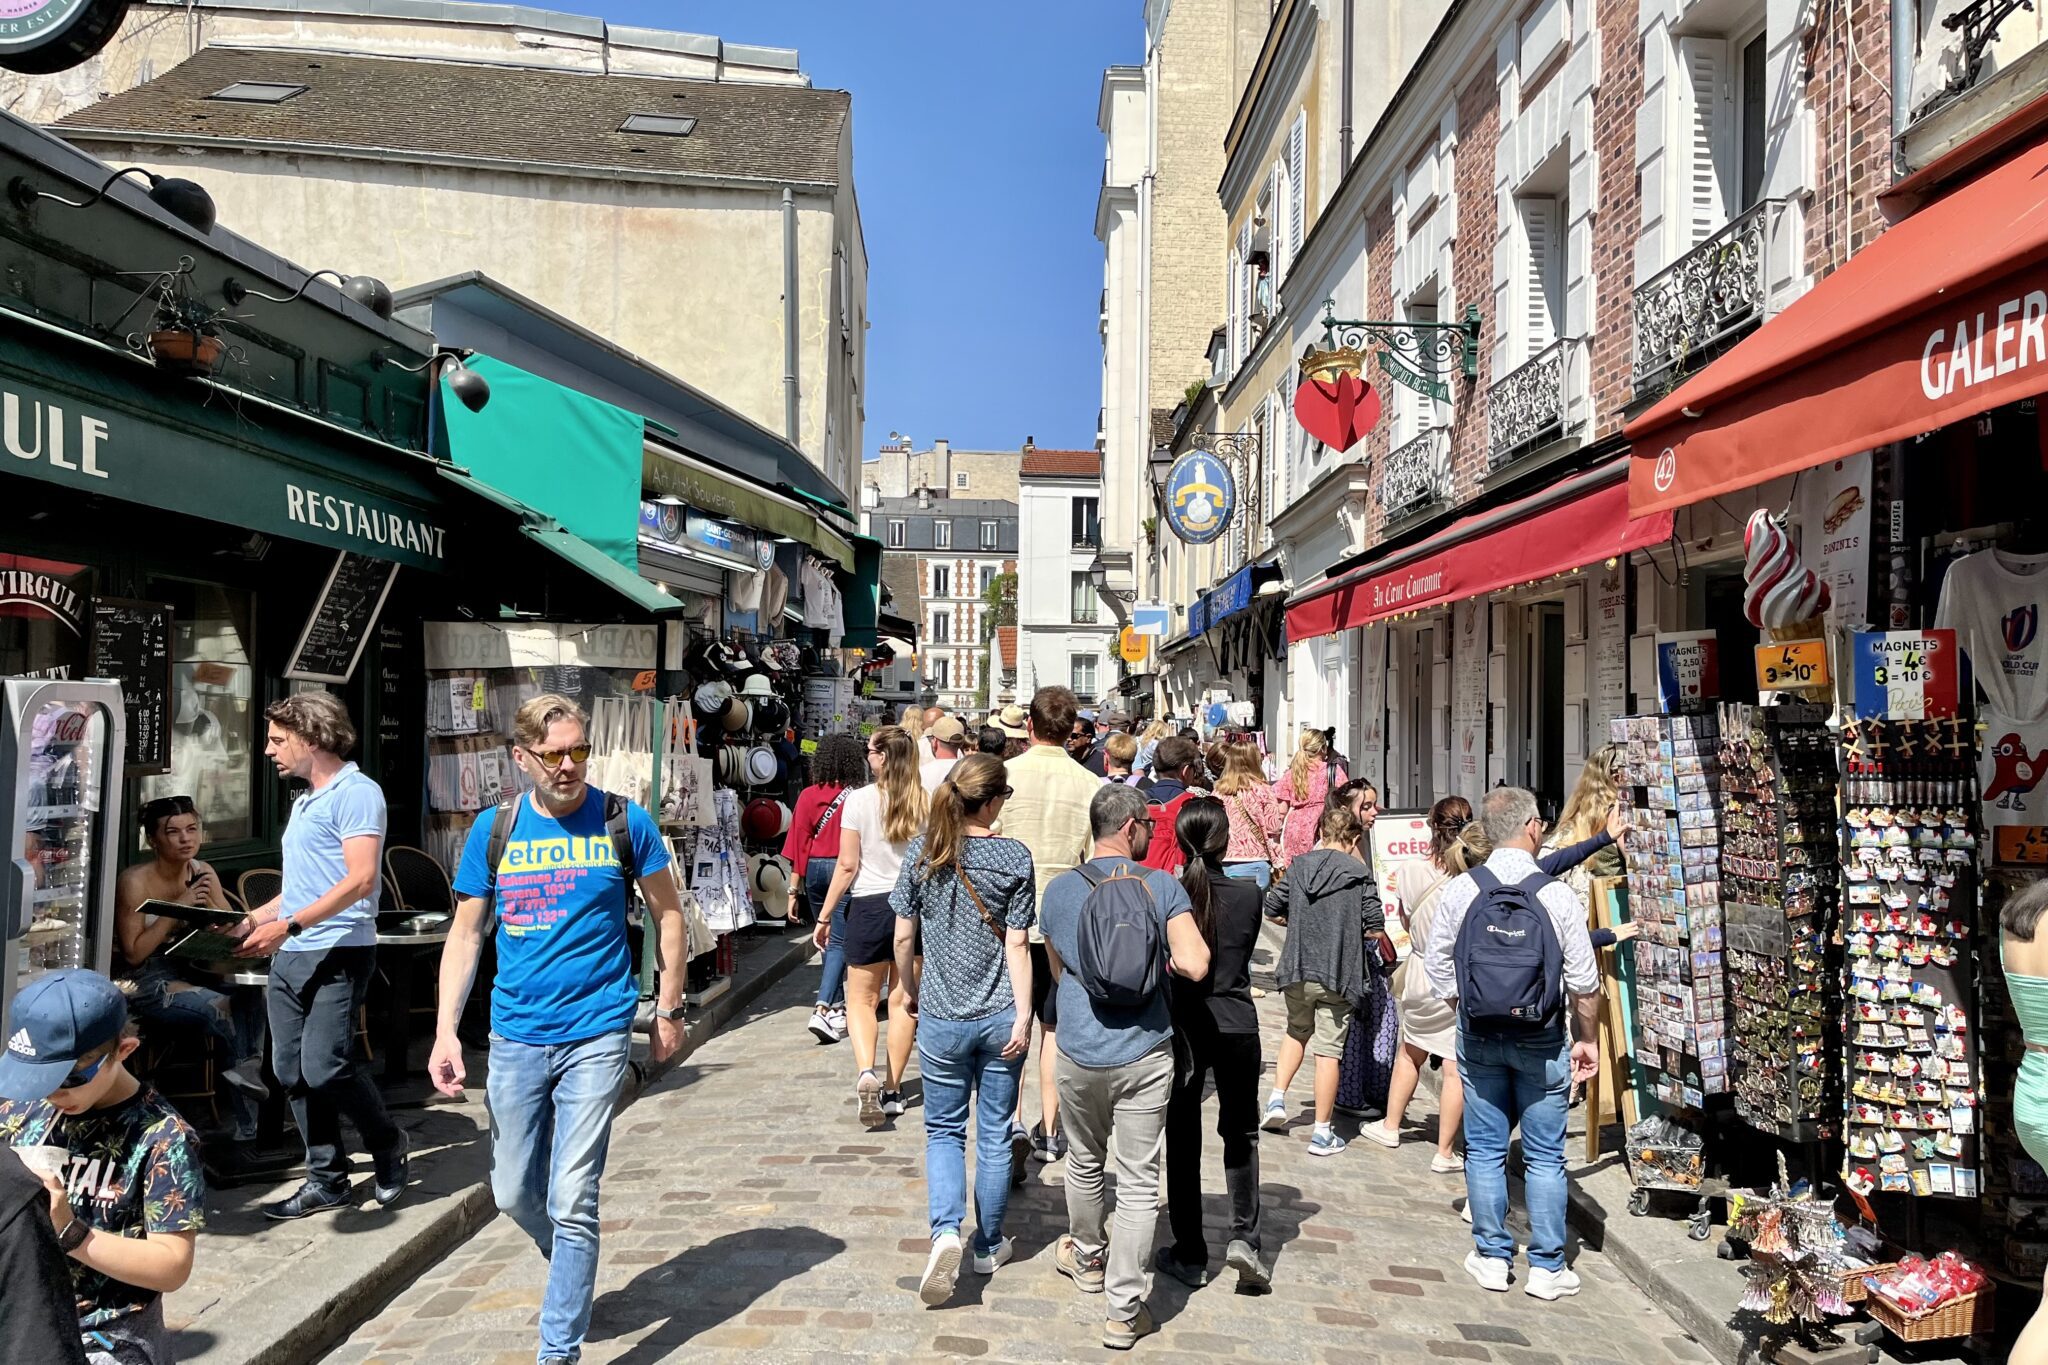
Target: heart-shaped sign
{"points": [[1336, 413]]}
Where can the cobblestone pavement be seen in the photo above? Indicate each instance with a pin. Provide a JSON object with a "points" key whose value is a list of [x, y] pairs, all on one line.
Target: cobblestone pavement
{"points": [[748, 1217]]}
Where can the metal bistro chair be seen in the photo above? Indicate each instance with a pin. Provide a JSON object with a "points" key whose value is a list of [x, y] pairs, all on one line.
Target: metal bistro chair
{"points": [[419, 883]]}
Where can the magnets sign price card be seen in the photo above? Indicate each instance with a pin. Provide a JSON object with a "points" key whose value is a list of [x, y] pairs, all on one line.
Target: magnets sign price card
{"points": [[1906, 674]]}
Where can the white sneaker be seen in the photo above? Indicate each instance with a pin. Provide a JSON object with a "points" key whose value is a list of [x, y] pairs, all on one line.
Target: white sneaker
{"points": [[1465, 1210], [986, 1265], [1377, 1132], [1446, 1165], [247, 1077], [943, 1268], [837, 1019], [1493, 1274], [1551, 1284], [1275, 1120], [821, 1026]]}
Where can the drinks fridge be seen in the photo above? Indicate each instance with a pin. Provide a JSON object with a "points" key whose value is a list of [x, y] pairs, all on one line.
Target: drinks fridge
{"points": [[60, 801]]}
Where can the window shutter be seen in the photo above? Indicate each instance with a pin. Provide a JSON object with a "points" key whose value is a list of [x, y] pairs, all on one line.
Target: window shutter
{"points": [[1276, 195], [1540, 276], [1297, 186], [1707, 127], [1244, 294]]}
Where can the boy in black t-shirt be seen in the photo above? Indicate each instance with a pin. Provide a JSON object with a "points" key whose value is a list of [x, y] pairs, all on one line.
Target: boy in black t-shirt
{"points": [[128, 1206]]}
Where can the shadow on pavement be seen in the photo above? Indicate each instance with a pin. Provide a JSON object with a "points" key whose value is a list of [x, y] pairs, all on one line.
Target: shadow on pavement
{"points": [[705, 1286]]}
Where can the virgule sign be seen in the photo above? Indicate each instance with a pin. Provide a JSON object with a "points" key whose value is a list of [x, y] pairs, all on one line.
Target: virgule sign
{"points": [[41, 36]]}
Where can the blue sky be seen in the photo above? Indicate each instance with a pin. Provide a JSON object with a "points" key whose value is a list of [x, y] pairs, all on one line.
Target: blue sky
{"points": [[977, 160]]}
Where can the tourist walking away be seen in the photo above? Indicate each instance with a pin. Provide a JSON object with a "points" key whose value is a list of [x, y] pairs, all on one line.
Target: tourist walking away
{"points": [[948, 741], [158, 991], [875, 828], [1180, 774], [969, 893], [1148, 747], [1305, 789], [1255, 816], [1114, 928], [812, 846], [1366, 1073], [556, 869], [2024, 950], [1219, 1025], [1333, 908], [125, 1189], [320, 933], [1119, 755], [1048, 813], [1512, 1046], [38, 1317]]}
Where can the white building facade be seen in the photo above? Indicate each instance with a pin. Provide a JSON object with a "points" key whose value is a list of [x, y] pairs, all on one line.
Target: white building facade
{"points": [[1066, 634]]}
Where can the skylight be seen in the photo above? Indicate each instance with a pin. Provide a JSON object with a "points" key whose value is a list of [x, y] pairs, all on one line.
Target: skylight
{"points": [[661, 125], [258, 92]]}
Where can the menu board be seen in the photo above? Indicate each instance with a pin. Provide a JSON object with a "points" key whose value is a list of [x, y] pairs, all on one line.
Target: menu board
{"points": [[342, 617], [131, 643]]}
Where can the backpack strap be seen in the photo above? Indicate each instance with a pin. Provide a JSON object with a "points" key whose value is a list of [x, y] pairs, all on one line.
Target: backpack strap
{"points": [[1483, 878], [502, 820], [617, 817]]}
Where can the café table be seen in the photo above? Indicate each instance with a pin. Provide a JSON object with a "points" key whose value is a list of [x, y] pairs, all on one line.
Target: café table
{"points": [[393, 1028]]}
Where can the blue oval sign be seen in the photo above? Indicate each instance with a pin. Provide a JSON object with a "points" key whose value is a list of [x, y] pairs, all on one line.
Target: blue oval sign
{"points": [[1201, 497]]}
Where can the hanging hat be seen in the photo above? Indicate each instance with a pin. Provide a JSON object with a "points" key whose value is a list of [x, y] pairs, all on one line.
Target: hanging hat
{"points": [[761, 765], [757, 685], [768, 877], [738, 716], [762, 819], [712, 699], [730, 768], [770, 713]]}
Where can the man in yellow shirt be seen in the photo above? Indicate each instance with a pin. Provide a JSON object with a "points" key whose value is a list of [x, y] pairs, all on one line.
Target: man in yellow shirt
{"points": [[1048, 813]]}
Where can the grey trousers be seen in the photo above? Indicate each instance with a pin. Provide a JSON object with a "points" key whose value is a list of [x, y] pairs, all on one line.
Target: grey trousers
{"points": [[1124, 1106]]}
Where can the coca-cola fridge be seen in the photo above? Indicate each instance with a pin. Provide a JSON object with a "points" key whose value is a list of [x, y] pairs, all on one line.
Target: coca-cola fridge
{"points": [[61, 745]]}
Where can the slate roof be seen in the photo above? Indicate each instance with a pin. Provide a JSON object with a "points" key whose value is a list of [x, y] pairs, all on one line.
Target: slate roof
{"points": [[776, 133], [1061, 464]]}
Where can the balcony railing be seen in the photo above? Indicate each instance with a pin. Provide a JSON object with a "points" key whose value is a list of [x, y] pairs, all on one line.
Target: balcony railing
{"points": [[1527, 409], [1417, 473], [1706, 296]]}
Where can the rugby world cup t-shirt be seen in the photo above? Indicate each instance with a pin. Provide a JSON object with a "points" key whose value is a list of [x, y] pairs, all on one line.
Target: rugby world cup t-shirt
{"points": [[1992, 600], [565, 971]]}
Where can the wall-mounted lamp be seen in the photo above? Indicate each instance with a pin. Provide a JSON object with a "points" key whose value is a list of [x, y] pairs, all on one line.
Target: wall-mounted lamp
{"points": [[184, 200], [371, 292], [469, 386]]}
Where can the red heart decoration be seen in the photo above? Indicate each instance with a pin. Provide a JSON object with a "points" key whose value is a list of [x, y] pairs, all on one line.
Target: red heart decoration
{"points": [[1337, 414]]}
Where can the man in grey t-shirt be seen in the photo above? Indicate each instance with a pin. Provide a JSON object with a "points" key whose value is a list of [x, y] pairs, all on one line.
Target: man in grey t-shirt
{"points": [[1115, 1070]]}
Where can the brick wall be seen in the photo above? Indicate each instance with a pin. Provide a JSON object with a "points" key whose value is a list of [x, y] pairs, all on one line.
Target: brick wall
{"points": [[1852, 130], [1472, 269], [1619, 222]]}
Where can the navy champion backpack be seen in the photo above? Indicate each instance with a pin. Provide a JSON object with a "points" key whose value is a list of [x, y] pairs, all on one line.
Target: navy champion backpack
{"points": [[1120, 944], [1510, 966]]}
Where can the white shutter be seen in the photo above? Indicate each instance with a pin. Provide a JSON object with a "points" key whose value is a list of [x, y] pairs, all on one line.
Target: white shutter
{"points": [[1230, 320], [1297, 186], [1244, 295], [1707, 130], [1283, 227], [1542, 281]]}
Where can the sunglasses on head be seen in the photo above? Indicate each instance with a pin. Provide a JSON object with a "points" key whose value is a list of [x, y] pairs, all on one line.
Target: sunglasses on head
{"points": [[552, 758]]}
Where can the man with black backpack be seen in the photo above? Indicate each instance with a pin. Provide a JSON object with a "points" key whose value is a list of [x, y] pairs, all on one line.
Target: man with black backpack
{"points": [[1113, 930], [1508, 946]]}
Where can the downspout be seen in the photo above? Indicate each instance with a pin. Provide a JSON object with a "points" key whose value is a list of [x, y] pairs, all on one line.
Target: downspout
{"points": [[789, 318], [1905, 37], [1344, 88]]}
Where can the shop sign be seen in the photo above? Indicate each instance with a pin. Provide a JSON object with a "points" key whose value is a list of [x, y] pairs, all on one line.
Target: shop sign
{"points": [[1150, 618], [1398, 836], [1906, 674], [43, 36], [468, 645], [1131, 645], [668, 525], [1833, 504], [1688, 671], [1792, 663], [1201, 497], [1400, 373], [40, 587]]}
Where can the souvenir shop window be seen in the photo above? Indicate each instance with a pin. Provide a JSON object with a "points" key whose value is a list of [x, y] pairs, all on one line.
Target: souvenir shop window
{"points": [[213, 706]]}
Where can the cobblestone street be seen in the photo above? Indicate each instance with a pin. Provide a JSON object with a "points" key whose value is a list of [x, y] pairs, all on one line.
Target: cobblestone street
{"points": [[748, 1217]]}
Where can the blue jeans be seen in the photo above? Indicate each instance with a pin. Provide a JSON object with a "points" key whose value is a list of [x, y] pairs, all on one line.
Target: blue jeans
{"points": [[1508, 1084], [958, 1058], [1258, 870], [832, 981], [551, 1122], [235, 1021]]}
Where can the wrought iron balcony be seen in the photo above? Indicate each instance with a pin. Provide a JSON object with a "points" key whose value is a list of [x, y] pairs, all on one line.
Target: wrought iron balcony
{"points": [[1707, 296], [1527, 409], [1417, 473]]}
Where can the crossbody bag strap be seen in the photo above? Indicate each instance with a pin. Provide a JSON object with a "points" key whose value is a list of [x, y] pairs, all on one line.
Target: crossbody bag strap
{"points": [[826, 818], [960, 878], [1264, 842]]}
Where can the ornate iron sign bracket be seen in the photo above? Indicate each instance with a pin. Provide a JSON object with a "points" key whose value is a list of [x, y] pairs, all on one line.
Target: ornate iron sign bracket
{"points": [[1421, 355]]}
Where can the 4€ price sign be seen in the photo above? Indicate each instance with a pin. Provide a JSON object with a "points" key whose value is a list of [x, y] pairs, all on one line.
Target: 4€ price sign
{"points": [[1906, 674], [1792, 663]]}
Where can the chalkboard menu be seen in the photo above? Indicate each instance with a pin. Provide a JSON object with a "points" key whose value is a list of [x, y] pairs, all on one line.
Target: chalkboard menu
{"points": [[131, 643], [339, 626]]}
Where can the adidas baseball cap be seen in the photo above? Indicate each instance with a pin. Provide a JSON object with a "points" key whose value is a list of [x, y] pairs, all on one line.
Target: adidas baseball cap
{"points": [[56, 1019]]}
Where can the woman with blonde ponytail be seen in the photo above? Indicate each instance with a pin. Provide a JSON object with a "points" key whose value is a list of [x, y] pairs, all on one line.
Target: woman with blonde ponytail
{"points": [[971, 895], [875, 829]]}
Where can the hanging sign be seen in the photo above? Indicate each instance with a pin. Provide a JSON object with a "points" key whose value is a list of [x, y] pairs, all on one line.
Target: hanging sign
{"points": [[1337, 410], [1150, 618], [341, 620], [1688, 670], [1906, 674], [1132, 645], [1201, 497], [1792, 663], [42, 36], [1398, 370]]}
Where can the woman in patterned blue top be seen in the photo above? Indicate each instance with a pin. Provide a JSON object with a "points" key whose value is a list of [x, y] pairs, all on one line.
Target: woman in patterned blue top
{"points": [[971, 892]]}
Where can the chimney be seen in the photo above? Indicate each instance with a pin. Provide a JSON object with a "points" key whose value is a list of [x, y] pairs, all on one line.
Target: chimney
{"points": [[1030, 444]]}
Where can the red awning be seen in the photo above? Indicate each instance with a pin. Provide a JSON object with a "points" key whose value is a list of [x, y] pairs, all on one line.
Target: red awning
{"points": [[1580, 521], [1943, 317]]}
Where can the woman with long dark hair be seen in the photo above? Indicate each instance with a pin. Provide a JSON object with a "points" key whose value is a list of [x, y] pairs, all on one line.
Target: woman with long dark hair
{"points": [[875, 829], [971, 894], [838, 769], [1220, 1026]]}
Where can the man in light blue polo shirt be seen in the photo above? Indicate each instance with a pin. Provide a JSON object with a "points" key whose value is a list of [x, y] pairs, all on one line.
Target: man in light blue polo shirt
{"points": [[323, 930]]}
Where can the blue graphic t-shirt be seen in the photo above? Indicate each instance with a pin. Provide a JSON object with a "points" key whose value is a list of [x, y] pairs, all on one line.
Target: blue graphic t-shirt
{"points": [[565, 972]]}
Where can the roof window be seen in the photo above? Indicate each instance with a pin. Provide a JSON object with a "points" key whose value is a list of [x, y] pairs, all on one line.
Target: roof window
{"points": [[259, 92], [661, 125]]}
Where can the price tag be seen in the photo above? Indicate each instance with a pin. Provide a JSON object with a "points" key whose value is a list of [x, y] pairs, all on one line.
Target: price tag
{"points": [[1906, 674], [1794, 663], [476, 696], [643, 681], [2020, 845]]}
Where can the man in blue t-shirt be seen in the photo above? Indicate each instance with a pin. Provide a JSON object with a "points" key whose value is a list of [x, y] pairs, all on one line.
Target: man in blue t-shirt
{"points": [[1115, 1069], [563, 1006]]}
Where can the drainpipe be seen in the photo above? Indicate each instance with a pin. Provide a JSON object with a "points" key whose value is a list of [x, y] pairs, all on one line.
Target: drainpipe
{"points": [[1905, 39], [789, 318], [1344, 90]]}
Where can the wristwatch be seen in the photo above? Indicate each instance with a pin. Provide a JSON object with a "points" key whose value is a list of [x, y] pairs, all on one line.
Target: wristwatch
{"points": [[674, 1016], [73, 1234], [292, 927]]}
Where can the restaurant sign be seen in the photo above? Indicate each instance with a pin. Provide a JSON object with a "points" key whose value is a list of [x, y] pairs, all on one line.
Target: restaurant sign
{"points": [[41, 36]]}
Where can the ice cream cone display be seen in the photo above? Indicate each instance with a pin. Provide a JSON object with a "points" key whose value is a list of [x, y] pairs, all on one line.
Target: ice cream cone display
{"points": [[1813, 628], [1780, 593]]}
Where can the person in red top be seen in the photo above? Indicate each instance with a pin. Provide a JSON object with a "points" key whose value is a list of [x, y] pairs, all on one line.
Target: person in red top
{"points": [[1180, 773], [812, 847]]}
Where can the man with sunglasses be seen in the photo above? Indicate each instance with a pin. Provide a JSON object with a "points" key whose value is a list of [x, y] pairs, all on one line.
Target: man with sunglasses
{"points": [[129, 1204], [555, 867]]}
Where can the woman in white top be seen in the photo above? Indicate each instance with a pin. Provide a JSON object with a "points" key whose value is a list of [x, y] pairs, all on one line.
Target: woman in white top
{"points": [[875, 827]]}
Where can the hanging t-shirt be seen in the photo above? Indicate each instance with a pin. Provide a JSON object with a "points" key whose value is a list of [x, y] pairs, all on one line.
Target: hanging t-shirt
{"points": [[1992, 600], [880, 860], [565, 972]]}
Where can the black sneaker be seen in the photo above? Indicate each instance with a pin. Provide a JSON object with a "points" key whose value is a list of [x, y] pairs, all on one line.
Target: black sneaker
{"points": [[390, 1175], [1021, 1144], [892, 1103], [308, 1198], [1193, 1276]]}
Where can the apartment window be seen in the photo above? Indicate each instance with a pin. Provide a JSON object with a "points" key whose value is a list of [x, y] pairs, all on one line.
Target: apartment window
{"points": [[1087, 529], [988, 535], [942, 534], [942, 627], [1722, 124], [895, 533], [1084, 600], [942, 581], [1749, 129], [1542, 219], [960, 479], [1414, 414], [988, 577], [1081, 675], [942, 675]]}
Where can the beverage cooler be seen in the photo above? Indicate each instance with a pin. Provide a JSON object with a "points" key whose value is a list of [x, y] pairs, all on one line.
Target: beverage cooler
{"points": [[61, 745]]}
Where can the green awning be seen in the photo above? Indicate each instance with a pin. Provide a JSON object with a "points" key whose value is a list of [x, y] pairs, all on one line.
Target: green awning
{"points": [[99, 421], [733, 499], [861, 595], [572, 549]]}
